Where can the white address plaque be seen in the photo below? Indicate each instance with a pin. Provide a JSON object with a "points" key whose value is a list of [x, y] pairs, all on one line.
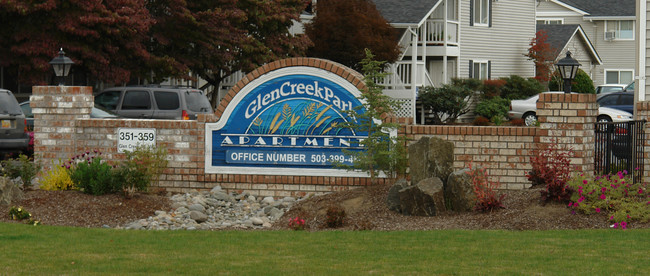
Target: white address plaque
{"points": [[129, 138]]}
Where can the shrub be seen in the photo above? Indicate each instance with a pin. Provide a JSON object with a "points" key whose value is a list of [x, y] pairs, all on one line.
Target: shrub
{"points": [[95, 177], [517, 87], [615, 195], [18, 213], [335, 216], [481, 121], [551, 167], [23, 167], [581, 84], [495, 108], [492, 88], [447, 102], [484, 190], [57, 178], [517, 122], [297, 223], [143, 165]]}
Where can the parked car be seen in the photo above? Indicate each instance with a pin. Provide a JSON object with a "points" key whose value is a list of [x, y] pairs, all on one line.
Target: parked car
{"points": [[629, 88], [95, 112], [609, 88], [154, 102], [527, 110], [14, 136], [618, 100]]}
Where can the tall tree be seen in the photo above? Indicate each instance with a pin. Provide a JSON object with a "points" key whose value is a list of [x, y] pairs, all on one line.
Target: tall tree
{"points": [[543, 55], [217, 38], [103, 37], [343, 29]]}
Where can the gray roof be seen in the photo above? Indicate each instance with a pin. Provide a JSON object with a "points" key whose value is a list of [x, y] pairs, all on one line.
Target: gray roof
{"points": [[405, 12], [559, 36], [604, 7]]}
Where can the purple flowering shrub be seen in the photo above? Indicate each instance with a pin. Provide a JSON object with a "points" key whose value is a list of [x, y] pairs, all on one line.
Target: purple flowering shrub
{"points": [[615, 195]]}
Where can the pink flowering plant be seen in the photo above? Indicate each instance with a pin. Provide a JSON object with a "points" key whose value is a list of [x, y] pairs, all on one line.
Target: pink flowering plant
{"points": [[617, 196], [297, 223]]}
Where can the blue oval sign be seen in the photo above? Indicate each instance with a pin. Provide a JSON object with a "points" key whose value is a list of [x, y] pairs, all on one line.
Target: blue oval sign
{"points": [[286, 122]]}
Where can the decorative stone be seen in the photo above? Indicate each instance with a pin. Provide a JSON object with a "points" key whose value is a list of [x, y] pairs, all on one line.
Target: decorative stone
{"points": [[430, 157], [9, 191], [198, 216], [392, 199], [459, 192], [424, 199]]}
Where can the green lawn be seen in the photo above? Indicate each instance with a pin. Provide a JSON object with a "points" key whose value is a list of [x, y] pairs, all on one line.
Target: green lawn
{"points": [[26, 249]]}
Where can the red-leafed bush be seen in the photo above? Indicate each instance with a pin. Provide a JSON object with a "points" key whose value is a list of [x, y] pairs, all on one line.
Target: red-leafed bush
{"points": [[551, 167], [484, 190]]}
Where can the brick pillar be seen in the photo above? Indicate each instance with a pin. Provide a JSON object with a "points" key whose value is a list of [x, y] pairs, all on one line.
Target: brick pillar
{"points": [[643, 113], [568, 120], [55, 109]]}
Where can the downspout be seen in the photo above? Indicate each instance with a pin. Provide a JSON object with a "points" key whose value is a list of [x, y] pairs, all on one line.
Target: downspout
{"points": [[414, 67], [445, 41], [642, 24]]}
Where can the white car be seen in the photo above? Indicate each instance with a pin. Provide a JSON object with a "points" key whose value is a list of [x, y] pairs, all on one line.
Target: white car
{"points": [[526, 109], [609, 88]]}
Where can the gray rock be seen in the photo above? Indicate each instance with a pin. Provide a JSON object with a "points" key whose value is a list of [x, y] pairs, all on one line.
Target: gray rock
{"points": [[223, 196], [213, 202], [196, 207], [9, 191], [392, 199], [459, 192], [268, 200], [198, 216], [275, 213], [424, 199], [430, 157], [182, 210], [257, 221], [215, 189]]}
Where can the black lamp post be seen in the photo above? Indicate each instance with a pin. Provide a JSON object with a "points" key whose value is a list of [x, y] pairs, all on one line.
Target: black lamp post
{"points": [[568, 67], [61, 65]]}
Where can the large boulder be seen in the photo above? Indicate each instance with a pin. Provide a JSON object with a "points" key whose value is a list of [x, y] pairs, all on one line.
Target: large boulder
{"points": [[459, 191], [430, 157], [424, 199], [9, 191], [392, 200]]}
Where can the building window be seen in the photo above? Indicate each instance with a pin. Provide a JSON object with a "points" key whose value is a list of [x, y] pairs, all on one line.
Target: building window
{"points": [[619, 76], [619, 29], [479, 69], [550, 21], [480, 12]]}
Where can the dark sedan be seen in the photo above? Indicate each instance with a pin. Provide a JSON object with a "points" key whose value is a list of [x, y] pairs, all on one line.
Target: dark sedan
{"points": [[618, 100]]}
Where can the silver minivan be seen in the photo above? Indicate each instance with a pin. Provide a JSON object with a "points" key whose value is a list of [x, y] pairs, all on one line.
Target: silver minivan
{"points": [[14, 137], [155, 102]]}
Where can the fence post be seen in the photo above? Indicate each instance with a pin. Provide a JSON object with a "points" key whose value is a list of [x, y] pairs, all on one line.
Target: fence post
{"points": [[643, 113], [568, 120]]}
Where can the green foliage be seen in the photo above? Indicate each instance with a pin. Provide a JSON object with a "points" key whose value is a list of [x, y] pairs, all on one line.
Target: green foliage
{"points": [[381, 151], [495, 108], [615, 195], [23, 167], [447, 102], [57, 178], [95, 177], [581, 84], [335, 216], [143, 166], [517, 87], [19, 213]]}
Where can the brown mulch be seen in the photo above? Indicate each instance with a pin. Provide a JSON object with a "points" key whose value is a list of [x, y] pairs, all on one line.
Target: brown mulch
{"points": [[365, 209]]}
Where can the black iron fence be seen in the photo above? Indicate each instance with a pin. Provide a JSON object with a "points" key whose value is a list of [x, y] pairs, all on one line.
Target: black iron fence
{"points": [[619, 147]]}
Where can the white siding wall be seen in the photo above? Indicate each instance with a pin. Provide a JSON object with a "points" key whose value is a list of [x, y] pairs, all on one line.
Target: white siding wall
{"points": [[615, 54], [505, 43]]}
